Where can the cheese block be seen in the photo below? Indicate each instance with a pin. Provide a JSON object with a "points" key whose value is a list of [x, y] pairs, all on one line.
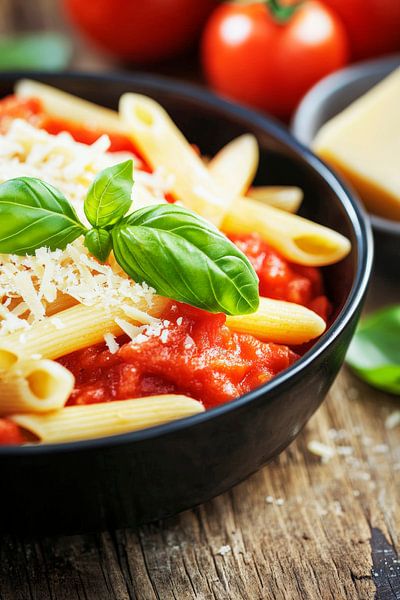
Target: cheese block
{"points": [[363, 144]]}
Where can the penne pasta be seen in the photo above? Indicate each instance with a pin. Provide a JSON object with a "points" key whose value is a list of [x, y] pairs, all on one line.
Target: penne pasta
{"points": [[34, 386], [9, 356], [235, 166], [76, 328], [279, 322], [110, 418], [284, 198], [61, 105], [164, 145], [62, 302], [297, 239]]}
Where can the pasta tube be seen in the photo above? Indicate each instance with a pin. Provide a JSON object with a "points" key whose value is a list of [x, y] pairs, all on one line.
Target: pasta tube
{"points": [[109, 418], [62, 105], [163, 145], [235, 166], [280, 322], [297, 239], [35, 386], [283, 197], [76, 328], [9, 356]]}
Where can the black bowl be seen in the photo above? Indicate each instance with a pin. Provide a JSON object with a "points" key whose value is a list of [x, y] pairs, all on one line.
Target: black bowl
{"points": [[325, 100], [139, 477]]}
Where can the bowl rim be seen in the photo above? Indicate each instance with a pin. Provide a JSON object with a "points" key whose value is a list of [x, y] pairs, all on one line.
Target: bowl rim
{"points": [[317, 96], [356, 215]]}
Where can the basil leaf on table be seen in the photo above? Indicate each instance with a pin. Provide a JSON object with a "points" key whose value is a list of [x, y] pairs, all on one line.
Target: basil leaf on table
{"points": [[374, 352], [186, 258], [109, 196], [44, 51], [99, 243], [34, 214]]}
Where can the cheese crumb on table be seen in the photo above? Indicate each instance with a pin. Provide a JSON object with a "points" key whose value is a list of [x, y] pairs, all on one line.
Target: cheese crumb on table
{"points": [[224, 550], [322, 450]]}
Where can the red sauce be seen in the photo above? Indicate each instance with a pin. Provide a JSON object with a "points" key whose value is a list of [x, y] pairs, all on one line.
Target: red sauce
{"points": [[15, 108], [31, 110], [283, 280], [200, 357], [10, 433]]}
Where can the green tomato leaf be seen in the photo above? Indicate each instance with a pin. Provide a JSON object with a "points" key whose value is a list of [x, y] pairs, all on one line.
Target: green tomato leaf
{"points": [[109, 197], [34, 214], [44, 51], [186, 258], [99, 243], [374, 352]]}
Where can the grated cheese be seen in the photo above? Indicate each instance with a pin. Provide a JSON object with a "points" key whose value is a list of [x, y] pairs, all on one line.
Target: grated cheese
{"points": [[71, 166], [47, 275], [29, 284], [111, 343]]}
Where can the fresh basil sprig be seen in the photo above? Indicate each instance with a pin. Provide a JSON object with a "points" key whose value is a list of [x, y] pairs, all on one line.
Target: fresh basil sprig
{"points": [[169, 247], [374, 352]]}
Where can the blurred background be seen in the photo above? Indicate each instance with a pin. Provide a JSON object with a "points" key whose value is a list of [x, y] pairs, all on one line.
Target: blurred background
{"points": [[264, 54]]}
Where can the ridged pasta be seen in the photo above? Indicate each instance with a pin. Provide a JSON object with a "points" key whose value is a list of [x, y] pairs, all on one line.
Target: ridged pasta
{"points": [[61, 105], [75, 328], [286, 198], [164, 145], [109, 418], [233, 168], [297, 239], [280, 322], [35, 386]]}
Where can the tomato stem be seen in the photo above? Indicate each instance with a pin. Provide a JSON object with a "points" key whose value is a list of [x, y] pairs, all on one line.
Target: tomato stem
{"points": [[280, 12]]}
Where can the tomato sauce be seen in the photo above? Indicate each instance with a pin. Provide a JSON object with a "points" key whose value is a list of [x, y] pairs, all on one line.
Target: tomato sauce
{"points": [[31, 110], [10, 433], [283, 280], [196, 353]]}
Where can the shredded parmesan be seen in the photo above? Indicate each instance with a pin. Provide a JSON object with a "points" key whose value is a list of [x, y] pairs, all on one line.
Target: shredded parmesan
{"points": [[30, 284], [111, 343], [71, 166], [47, 275]]}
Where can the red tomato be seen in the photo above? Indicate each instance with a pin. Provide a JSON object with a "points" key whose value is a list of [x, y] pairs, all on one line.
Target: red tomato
{"points": [[373, 26], [142, 31], [249, 56]]}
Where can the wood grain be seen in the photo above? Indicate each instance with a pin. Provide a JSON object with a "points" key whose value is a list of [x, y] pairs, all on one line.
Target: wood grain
{"points": [[297, 530]]}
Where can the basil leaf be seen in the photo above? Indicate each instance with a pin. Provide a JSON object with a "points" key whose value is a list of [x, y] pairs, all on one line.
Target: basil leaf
{"points": [[109, 197], [99, 243], [34, 214], [186, 258], [374, 352], [44, 51]]}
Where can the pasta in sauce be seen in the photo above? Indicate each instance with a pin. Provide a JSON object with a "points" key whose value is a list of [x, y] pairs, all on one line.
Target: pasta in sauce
{"points": [[143, 359]]}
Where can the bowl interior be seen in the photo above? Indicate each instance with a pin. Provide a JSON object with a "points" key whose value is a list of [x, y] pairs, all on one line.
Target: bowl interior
{"points": [[210, 123]]}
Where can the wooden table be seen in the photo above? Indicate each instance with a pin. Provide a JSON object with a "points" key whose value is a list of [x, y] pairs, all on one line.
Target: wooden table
{"points": [[300, 529]]}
